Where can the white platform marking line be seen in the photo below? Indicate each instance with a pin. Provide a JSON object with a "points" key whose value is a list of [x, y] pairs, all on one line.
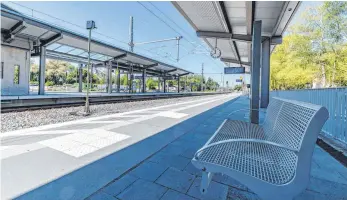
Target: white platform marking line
{"points": [[84, 142], [171, 114], [15, 150]]}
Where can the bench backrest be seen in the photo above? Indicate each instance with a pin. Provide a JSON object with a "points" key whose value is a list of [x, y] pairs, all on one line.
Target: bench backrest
{"points": [[287, 121]]}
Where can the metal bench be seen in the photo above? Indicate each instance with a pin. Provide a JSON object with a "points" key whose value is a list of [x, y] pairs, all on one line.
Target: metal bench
{"points": [[272, 159]]}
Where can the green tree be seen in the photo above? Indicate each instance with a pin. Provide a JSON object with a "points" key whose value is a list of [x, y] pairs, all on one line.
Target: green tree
{"points": [[314, 51]]}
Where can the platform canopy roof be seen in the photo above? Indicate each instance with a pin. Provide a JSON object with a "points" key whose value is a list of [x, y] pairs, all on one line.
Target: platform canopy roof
{"points": [[229, 24], [22, 31]]}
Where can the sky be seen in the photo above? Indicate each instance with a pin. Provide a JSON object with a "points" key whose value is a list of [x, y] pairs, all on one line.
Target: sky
{"points": [[112, 20]]}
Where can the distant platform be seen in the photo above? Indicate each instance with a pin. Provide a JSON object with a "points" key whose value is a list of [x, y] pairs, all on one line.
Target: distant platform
{"points": [[75, 98]]}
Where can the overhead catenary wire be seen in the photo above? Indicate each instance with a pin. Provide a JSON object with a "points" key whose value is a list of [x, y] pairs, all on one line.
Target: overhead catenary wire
{"points": [[78, 26], [175, 29]]}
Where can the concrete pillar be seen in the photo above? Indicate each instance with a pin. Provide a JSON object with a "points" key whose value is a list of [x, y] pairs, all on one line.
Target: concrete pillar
{"points": [[118, 80], [109, 77], [158, 84], [42, 70], [265, 74], [164, 85], [255, 72], [144, 81], [80, 78], [178, 84]]}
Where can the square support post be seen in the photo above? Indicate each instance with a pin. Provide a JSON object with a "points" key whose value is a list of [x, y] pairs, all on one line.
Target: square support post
{"points": [[255, 72], [42, 70], [118, 80], [144, 81], [80, 77], [265, 74], [178, 84], [164, 85], [158, 84], [109, 77]]}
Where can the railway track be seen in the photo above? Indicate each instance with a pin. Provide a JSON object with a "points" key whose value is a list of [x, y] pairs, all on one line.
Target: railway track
{"points": [[19, 105]]}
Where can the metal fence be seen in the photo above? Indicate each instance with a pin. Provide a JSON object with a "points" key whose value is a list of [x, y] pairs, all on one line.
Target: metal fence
{"points": [[334, 99]]}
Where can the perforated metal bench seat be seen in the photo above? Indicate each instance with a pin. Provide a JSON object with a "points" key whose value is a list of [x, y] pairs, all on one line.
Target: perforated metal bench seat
{"points": [[272, 159], [232, 129], [263, 161]]}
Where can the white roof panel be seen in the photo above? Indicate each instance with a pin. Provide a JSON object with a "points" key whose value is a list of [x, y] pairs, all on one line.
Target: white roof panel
{"points": [[73, 46], [220, 16]]}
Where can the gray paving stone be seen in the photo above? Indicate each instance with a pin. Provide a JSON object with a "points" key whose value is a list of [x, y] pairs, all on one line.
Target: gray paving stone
{"points": [[327, 188], [236, 194], [173, 195], [143, 190], [101, 196], [176, 179], [119, 185], [178, 162], [148, 170], [216, 191], [224, 179], [310, 195], [190, 168]]}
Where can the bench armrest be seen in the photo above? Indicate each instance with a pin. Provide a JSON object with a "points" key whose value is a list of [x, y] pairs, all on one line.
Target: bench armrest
{"points": [[244, 140]]}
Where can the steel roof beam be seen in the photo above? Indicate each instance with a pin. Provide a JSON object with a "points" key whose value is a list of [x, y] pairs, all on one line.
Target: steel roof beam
{"points": [[236, 37], [168, 71], [13, 31], [120, 56], [225, 14], [183, 74], [150, 66], [230, 60], [51, 40], [60, 54]]}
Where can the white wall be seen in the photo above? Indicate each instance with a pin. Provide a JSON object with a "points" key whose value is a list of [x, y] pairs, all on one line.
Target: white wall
{"points": [[12, 56]]}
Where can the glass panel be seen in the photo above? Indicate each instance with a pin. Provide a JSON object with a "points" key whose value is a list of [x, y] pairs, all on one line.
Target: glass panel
{"points": [[53, 46], [76, 52], [85, 54], [64, 49], [106, 58], [16, 74], [96, 56]]}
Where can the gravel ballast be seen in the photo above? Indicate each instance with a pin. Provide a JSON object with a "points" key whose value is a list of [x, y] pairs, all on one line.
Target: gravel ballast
{"points": [[26, 119]]}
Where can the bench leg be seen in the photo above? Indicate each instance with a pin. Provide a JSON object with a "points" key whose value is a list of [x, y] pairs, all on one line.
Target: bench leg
{"points": [[205, 181]]}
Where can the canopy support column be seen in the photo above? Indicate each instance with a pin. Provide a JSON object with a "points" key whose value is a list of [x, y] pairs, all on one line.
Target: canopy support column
{"points": [[109, 77], [80, 77], [255, 71], [144, 81], [164, 85], [42, 70], [265, 74], [178, 84], [118, 80], [158, 83]]}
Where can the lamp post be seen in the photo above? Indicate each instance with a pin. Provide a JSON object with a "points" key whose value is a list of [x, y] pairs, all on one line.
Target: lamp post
{"points": [[90, 26]]}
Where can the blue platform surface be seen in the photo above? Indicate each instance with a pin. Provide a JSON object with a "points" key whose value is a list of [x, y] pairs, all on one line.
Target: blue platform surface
{"points": [[168, 174]]}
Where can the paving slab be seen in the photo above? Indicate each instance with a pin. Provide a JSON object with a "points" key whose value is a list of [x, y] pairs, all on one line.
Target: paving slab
{"points": [[101, 196], [174, 195], [119, 185], [148, 170], [143, 190], [176, 180], [216, 191]]}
